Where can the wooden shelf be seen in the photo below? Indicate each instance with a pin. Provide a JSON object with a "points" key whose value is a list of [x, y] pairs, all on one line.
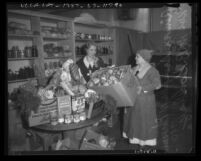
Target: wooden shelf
{"points": [[48, 38], [97, 55], [57, 57], [17, 36], [83, 40], [19, 59], [21, 80]]}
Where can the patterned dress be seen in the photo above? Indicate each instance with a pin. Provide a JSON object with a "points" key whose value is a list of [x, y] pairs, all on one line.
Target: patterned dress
{"points": [[140, 122]]}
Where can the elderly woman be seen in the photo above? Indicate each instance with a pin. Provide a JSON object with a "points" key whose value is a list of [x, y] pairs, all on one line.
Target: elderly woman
{"points": [[140, 121], [89, 63]]}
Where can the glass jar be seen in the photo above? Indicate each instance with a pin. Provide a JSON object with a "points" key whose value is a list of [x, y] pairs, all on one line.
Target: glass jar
{"points": [[19, 54]]}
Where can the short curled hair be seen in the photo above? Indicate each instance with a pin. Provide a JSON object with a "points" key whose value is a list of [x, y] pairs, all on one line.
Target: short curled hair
{"points": [[87, 46]]}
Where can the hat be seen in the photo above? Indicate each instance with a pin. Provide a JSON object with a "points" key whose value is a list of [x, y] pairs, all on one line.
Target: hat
{"points": [[145, 54]]}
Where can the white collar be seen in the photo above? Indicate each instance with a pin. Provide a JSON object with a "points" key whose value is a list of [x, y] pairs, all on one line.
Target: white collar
{"points": [[87, 63]]}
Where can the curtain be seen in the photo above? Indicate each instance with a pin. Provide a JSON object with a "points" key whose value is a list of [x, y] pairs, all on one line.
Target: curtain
{"points": [[128, 42]]}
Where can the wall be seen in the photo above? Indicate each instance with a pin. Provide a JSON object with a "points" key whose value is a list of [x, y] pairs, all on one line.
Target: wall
{"points": [[110, 16], [141, 23], [171, 18]]}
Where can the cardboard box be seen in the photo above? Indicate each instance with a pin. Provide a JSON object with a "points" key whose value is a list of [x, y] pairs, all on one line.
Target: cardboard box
{"points": [[78, 104], [124, 92], [42, 116], [64, 105]]}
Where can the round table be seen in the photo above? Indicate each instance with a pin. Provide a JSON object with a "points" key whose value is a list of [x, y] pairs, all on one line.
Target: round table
{"points": [[98, 113], [72, 126]]}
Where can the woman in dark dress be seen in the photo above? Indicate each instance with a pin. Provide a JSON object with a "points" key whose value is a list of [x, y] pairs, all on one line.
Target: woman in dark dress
{"points": [[140, 121], [90, 62]]}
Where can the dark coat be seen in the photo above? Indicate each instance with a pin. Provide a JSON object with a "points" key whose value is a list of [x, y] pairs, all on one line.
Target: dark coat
{"points": [[140, 121], [85, 71]]}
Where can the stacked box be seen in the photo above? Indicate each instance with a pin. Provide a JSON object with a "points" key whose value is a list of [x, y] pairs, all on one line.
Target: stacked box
{"points": [[42, 116]]}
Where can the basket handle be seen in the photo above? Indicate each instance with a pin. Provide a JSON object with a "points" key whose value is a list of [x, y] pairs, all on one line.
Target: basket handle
{"points": [[82, 139]]}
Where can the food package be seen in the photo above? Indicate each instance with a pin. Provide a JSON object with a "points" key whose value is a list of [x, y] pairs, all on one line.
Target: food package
{"points": [[117, 82], [42, 116], [78, 104], [64, 106]]}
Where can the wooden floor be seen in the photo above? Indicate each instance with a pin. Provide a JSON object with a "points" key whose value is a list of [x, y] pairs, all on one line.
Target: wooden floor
{"points": [[174, 111]]}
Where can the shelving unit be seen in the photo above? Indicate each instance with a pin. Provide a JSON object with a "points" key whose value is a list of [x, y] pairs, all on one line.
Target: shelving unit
{"points": [[20, 80], [25, 28], [58, 57], [20, 59], [55, 40]]}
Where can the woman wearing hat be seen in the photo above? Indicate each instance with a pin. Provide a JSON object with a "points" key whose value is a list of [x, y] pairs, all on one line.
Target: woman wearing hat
{"points": [[140, 121]]}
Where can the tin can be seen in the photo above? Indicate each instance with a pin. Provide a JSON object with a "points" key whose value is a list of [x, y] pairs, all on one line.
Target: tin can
{"points": [[61, 120], [82, 116], [76, 118], [68, 119]]}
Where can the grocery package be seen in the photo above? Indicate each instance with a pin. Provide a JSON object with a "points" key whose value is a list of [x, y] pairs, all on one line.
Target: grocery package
{"points": [[44, 113], [118, 82], [78, 108]]}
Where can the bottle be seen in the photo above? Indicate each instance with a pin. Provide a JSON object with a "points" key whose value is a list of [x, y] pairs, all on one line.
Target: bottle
{"points": [[106, 50], [89, 36], [33, 51], [14, 49], [98, 37], [82, 35], [25, 51], [16, 75], [36, 51], [78, 36], [9, 74], [86, 36], [9, 53], [29, 52], [110, 50], [22, 53], [19, 55]]}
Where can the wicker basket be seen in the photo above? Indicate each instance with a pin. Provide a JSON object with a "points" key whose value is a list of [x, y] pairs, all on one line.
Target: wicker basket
{"points": [[86, 145]]}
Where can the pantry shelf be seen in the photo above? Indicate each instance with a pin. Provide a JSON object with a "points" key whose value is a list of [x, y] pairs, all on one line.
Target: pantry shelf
{"points": [[21, 80], [16, 36], [18, 59], [83, 40]]}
